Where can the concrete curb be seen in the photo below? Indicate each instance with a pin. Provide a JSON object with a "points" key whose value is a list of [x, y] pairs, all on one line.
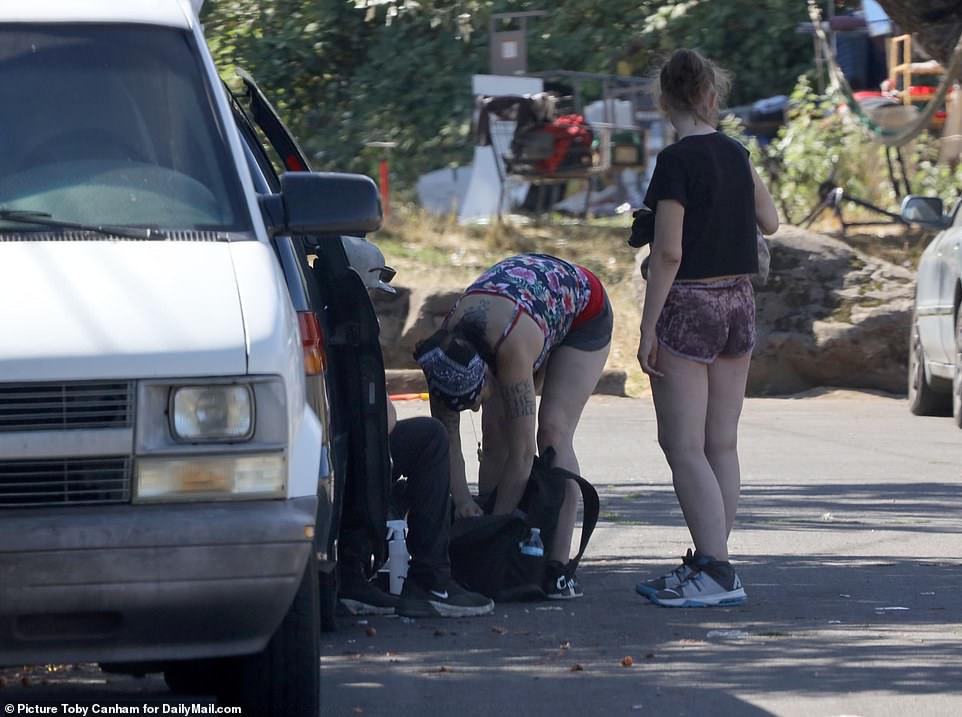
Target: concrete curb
{"points": [[611, 383]]}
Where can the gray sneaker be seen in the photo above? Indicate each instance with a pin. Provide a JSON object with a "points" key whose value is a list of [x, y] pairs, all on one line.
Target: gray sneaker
{"points": [[714, 584], [669, 580], [447, 600]]}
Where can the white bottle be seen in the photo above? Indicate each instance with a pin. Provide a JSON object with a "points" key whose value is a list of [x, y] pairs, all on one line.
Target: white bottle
{"points": [[397, 552], [533, 546]]}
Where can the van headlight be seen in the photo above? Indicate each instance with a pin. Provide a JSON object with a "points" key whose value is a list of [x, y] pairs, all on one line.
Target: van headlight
{"points": [[211, 439], [212, 413]]}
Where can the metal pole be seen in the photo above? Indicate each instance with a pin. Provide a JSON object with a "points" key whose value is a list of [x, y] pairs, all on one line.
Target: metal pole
{"points": [[384, 174]]}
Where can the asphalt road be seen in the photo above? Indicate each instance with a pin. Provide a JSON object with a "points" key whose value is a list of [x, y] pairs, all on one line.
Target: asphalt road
{"points": [[848, 543]]}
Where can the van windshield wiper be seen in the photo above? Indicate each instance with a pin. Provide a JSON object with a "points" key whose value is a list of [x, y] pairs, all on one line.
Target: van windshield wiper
{"points": [[24, 216]]}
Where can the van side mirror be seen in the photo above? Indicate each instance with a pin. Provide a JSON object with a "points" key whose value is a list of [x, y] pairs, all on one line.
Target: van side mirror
{"points": [[924, 211], [323, 203]]}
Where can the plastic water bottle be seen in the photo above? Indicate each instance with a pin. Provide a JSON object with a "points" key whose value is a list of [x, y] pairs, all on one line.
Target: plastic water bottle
{"points": [[398, 557], [533, 545]]}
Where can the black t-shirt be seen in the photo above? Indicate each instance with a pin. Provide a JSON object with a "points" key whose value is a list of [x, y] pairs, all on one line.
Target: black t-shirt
{"points": [[709, 175]]}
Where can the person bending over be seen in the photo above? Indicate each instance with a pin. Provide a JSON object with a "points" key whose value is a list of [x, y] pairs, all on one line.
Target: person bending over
{"points": [[529, 321]]}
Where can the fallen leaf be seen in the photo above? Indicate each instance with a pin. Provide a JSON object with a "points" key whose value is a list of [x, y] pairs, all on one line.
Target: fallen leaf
{"points": [[627, 661]]}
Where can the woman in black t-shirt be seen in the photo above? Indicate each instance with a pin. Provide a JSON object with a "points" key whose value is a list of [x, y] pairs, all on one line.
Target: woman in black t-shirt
{"points": [[698, 323]]}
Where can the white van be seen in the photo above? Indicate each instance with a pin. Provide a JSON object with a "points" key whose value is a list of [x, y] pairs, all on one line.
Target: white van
{"points": [[159, 466]]}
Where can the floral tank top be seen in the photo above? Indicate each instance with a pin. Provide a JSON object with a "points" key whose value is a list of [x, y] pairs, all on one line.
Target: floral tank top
{"points": [[551, 291]]}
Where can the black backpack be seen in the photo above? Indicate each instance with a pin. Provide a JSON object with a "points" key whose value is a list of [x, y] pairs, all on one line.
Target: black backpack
{"points": [[485, 551]]}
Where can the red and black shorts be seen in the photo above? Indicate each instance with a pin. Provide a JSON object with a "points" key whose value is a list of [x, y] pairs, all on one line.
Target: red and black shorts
{"points": [[591, 329]]}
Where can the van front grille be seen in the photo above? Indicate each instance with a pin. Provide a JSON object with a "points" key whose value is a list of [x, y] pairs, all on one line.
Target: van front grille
{"points": [[66, 406], [64, 481]]}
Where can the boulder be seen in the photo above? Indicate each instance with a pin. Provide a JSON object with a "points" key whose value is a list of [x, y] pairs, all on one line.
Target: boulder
{"points": [[831, 316]]}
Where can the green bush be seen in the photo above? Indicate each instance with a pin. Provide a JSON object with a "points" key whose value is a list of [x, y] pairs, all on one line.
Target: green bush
{"points": [[821, 142]]}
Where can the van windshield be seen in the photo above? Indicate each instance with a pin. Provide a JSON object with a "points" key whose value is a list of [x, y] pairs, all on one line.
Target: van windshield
{"points": [[112, 125]]}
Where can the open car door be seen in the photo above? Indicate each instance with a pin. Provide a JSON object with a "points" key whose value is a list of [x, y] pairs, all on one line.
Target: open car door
{"points": [[355, 376]]}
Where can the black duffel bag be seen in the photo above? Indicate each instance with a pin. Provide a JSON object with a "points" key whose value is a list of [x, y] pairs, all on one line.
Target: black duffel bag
{"points": [[485, 550]]}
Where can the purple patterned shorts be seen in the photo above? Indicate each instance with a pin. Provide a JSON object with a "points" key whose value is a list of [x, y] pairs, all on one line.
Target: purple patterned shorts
{"points": [[702, 321]]}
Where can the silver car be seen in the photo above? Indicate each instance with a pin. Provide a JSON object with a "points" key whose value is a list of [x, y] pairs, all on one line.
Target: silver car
{"points": [[935, 354]]}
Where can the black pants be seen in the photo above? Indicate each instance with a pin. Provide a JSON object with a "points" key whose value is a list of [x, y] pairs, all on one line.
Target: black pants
{"points": [[419, 453]]}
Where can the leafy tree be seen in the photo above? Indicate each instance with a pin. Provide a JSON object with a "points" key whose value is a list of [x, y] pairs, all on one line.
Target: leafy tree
{"points": [[345, 72]]}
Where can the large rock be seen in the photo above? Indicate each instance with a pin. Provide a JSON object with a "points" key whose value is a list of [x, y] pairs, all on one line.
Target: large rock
{"points": [[830, 316]]}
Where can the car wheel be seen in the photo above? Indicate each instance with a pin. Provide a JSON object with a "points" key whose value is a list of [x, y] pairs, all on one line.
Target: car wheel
{"points": [[957, 373], [284, 679], [923, 399]]}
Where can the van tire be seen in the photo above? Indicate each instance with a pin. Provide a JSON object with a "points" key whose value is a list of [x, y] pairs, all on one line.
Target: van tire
{"points": [[284, 679]]}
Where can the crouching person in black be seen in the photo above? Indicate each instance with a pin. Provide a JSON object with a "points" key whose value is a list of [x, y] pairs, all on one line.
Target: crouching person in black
{"points": [[419, 453]]}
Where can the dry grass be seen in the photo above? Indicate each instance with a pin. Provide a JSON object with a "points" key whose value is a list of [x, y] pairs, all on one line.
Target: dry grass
{"points": [[435, 251]]}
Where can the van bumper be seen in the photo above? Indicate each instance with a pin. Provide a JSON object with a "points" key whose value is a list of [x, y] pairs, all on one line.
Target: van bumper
{"points": [[148, 583]]}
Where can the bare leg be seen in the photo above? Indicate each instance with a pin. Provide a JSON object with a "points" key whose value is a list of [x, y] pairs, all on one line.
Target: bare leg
{"points": [[727, 378], [681, 404], [570, 378]]}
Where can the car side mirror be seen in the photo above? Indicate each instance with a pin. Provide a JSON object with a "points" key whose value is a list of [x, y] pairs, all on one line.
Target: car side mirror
{"points": [[924, 211], [323, 203]]}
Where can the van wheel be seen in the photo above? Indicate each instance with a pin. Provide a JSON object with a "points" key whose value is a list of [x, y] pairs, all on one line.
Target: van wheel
{"points": [[284, 679], [923, 399]]}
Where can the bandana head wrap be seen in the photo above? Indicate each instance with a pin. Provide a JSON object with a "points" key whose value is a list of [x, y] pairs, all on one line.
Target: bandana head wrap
{"points": [[452, 368]]}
